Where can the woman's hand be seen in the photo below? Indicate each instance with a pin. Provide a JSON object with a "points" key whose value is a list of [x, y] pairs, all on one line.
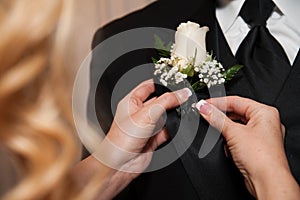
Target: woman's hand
{"points": [[255, 144], [138, 126], [137, 130]]}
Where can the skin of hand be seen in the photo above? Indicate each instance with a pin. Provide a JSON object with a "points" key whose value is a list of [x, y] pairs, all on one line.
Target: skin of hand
{"points": [[137, 130], [254, 137], [138, 126]]}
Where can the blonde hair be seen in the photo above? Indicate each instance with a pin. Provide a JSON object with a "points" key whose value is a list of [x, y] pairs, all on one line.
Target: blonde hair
{"points": [[36, 121]]}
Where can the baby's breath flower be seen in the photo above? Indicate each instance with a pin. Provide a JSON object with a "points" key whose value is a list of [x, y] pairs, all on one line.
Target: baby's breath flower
{"points": [[165, 83], [209, 72], [171, 70], [179, 77]]}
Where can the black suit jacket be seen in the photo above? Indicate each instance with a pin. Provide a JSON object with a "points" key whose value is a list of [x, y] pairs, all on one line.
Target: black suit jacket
{"points": [[215, 176]]}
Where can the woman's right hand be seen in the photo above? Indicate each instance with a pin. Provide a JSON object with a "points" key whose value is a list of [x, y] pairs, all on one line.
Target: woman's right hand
{"points": [[255, 144], [137, 130]]}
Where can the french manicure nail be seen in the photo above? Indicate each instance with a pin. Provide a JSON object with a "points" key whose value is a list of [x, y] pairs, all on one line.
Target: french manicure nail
{"points": [[183, 94], [203, 107]]}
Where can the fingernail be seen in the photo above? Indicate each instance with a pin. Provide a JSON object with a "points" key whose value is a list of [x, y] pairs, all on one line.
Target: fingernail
{"points": [[183, 94], [204, 107]]}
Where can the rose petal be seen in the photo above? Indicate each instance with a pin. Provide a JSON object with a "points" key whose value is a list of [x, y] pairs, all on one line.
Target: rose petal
{"points": [[189, 37]]}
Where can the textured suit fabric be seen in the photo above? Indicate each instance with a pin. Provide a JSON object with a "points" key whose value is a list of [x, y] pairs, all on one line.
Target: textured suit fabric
{"points": [[215, 176]]}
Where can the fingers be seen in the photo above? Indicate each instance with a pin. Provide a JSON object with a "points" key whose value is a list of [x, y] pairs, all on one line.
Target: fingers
{"points": [[148, 102], [143, 119], [134, 100], [162, 137], [282, 127], [165, 102], [157, 140], [236, 118], [173, 99], [143, 90], [238, 105], [216, 118]]}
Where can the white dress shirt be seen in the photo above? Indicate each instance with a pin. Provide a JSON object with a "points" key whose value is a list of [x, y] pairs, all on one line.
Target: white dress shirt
{"points": [[283, 24]]}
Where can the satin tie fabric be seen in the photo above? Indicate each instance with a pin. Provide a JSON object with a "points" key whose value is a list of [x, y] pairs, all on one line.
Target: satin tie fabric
{"points": [[263, 57]]}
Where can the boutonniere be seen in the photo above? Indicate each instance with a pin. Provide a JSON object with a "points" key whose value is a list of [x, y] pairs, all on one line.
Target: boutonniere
{"points": [[187, 59]]}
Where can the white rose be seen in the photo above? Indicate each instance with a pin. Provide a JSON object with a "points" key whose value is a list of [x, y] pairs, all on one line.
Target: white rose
{"points": [[189, 37]]}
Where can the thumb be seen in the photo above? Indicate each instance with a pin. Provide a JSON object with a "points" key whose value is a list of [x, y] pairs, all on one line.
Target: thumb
{"points": [[215, 117]]}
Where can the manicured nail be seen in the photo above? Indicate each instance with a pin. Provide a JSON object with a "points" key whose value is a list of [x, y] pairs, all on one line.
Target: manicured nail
{"points": [[204, 107], [200, 103], [183, 94]]}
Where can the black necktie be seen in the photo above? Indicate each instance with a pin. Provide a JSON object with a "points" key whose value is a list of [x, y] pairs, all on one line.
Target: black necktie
{"points": [[266, 64]]}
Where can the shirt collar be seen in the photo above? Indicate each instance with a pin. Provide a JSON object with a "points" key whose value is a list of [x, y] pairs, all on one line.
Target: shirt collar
{"points": [[228, 14], [290, 9]]}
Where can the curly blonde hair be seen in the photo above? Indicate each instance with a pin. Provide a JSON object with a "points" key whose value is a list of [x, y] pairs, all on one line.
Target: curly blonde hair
{"points": [[36, 120]]}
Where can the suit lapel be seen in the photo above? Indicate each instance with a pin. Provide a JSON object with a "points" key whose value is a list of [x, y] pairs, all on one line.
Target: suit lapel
{"points": [[288, 105]]}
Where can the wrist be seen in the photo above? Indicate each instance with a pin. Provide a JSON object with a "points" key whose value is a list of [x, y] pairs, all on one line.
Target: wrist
{"points": [[275, 183], [114, 158]]}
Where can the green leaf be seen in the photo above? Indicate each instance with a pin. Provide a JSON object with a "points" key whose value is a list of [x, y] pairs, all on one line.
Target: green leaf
{"points": [[163, 53], [154, 60], [198, 86], [209, 57], [189, 71], [168, 47], [194, 58], [163, 50], [159, 44], [231, 72]]}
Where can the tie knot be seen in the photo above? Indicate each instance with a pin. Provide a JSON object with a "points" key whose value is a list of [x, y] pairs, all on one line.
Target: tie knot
{"points": [[256, 12]]}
